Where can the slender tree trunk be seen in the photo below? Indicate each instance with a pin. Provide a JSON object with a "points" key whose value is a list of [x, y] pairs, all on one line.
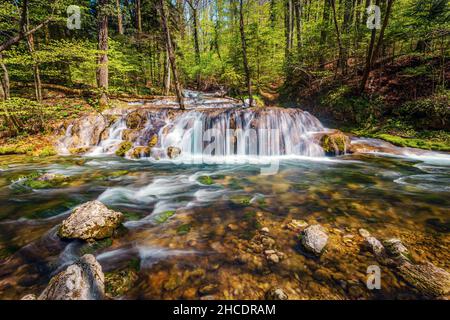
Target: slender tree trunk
{"points": [[36, 72], [4, 79], [167, 73], [368, 66], [102, 63], [376, 52], [244, 52], [324, 32], [139, 17], [298, 17], [338, 36], [196, 44], [119, 17], [170, 50]]}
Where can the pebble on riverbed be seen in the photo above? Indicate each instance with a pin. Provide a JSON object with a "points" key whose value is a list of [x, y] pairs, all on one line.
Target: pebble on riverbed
{"points": [[314, 239]]}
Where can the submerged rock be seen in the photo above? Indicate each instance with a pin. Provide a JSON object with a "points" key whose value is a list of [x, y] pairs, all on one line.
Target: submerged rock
{"points": [[297, 225], [90, 221], [314, 239], [173, 152], [83, 280], [335, 143], [276, 294], [427, 278]]}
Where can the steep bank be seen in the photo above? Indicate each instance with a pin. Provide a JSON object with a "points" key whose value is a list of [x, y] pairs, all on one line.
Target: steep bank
{"points": [[405, 103]]}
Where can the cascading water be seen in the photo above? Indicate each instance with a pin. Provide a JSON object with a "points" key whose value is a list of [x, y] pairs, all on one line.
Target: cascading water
{"points": [[220, 132]]}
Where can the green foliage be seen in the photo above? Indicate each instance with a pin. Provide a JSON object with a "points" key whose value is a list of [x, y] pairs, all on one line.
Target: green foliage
{"points": [[184, 229], [350, 108], [163, 216], [428, 113]]}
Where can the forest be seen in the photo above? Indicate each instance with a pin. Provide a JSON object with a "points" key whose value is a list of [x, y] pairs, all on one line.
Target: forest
{"points": [[224, 149], [317, 55]]}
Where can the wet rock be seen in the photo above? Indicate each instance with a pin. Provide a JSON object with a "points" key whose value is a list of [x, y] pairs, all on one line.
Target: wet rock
{"points": [[29, 297], [427, 279], [395, 248], [276, 294], [297, 225], [130, 135], [153, 141], [335, 143], [134, 120], [83, 280], [314, 239], [79, 151], [208, 289], [123, 148], [118, 283], [173, 152], [274, 256], [267, 242], [374, 245], [140, 152], [90, 221], [265, 230], [233, 227]]}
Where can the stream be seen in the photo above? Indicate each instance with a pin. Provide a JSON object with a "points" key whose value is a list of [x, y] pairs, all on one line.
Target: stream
{"points": [[215, 209]]}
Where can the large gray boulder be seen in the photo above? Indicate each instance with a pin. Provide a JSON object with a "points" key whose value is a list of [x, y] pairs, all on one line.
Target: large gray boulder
{"points": [[314, 239], [83, 280], [90, 221]]}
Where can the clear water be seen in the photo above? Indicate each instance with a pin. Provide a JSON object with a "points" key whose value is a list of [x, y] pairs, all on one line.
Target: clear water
{"points": [[206, 240]]}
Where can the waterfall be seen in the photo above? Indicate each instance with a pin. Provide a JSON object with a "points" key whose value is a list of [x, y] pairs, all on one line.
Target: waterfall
{"points": [[206, 128]]}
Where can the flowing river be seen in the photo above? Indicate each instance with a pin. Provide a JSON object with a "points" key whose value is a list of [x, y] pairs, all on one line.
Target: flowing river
{"points": [[191, 226]]}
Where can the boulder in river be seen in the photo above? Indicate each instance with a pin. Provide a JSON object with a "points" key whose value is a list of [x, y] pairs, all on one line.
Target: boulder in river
{"points": [[173, 152], [314, 239], [90, 221], [83, 280], [335, 143]]}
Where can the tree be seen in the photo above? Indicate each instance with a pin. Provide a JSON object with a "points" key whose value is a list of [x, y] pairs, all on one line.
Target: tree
{"points": [[102, 69], [171, 53], [244, 52]]}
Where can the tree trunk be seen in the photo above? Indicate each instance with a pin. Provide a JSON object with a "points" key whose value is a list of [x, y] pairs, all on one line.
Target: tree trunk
{"points": [[36, 72], [244, 52], [119, 17], [341, 63], [102, 63], [4, 79], [376, 52], [169, 46], [139, 17], [298, 17], [323, 32], [368, 66], [167, 73], [194, 8]]}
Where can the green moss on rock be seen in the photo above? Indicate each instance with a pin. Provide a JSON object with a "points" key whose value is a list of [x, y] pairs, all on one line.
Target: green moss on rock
{"points": [[124, 147]]}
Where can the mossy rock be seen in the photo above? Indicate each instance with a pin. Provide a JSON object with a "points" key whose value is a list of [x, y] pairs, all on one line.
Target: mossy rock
{"points": [[163, 216], [153, 141], [45, 181], [240, 200], [79, 151], [120, 282], [130, 135], [206, 180], [140, 152], [335, 143], [183, 229], [124, 147], [134, 120]]}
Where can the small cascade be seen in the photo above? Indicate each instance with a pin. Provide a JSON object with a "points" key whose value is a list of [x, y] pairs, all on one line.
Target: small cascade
{"points": [[114, 138], [202, 130]]}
